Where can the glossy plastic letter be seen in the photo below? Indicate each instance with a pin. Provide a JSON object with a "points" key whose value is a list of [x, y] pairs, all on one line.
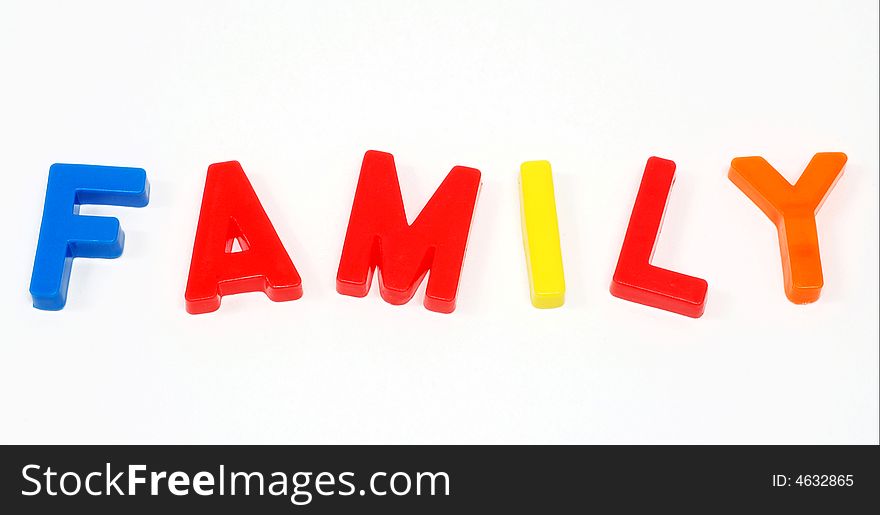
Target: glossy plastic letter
{"points": [[65, 235], [231, 213], [540, 228], [378, 236], [635, 278], [793, 209]]}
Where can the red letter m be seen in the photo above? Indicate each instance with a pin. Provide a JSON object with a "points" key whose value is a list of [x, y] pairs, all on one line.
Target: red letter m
{"points": [[379, 236]]}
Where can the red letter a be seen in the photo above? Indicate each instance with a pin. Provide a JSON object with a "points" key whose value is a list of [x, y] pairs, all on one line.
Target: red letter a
{"points": [[231, 212], [379, 236]]}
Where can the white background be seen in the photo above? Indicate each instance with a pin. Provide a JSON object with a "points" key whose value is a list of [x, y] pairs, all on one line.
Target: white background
{"points": [[299, 91]]}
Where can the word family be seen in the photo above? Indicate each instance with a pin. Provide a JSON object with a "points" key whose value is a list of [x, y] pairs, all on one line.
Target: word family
{"points": [[237, 249]]}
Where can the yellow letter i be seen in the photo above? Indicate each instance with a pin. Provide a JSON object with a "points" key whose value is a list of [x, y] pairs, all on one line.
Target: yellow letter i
{"points": [[540, 229]]}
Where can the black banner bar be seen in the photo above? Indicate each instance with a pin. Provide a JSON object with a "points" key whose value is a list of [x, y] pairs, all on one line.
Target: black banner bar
{"points": [[435, 479]]}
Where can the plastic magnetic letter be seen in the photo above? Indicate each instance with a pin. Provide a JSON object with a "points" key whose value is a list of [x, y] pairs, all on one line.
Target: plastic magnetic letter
{"points": [[378, 236], [65, 235], [635, 278], [232, 214], [540, 229], [793, 209]]}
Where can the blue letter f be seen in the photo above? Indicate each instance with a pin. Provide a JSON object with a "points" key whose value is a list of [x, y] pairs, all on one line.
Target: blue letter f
{"points": [[64, 234]]}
